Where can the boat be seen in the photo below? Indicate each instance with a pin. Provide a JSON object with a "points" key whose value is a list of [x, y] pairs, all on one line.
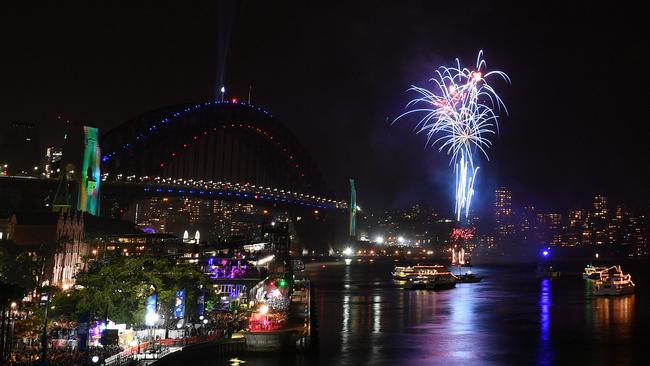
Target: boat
{"points": [[613, 282], [417, 283], [547, 271], [440, 280], [592, 273], [403, 272], [468, 278]]}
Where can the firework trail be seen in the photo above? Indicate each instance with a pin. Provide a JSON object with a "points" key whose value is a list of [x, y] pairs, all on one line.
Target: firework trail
{"points": [[458, 116]]}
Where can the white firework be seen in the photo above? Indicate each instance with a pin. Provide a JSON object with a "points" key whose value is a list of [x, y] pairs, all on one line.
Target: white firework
{"points": [[459, 117]]}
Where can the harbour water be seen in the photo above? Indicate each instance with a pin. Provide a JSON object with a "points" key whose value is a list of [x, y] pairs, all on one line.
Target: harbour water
{"points": [[510, 318]]}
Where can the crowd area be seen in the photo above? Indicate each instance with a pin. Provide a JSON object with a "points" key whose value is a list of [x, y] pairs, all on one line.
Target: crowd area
{"points": [[31, 356], [223, 323]]}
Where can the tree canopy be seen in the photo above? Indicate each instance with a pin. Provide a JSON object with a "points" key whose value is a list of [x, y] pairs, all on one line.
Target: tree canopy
{"points": [[118, 286]]}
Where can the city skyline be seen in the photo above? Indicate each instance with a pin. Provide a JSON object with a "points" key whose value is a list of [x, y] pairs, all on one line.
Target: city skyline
{"points": [[344, 183], [601, 160]]}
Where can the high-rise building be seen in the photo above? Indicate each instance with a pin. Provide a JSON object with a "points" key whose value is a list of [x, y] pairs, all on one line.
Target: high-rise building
{"points": [[576, 228], [600, 207], [503, 216], [600, 225], [53, 157]]}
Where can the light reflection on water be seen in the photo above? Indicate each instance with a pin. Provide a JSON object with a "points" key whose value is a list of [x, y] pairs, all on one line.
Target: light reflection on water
{"points": [[614, 316], [510, 318], [545, 356]]}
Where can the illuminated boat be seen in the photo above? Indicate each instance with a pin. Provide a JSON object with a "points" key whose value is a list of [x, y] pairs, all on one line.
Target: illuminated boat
{"points": [[440, 280], [403, 273], [613, 282], [592, 273]]}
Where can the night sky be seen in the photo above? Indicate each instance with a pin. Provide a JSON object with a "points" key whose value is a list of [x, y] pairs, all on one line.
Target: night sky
{"points": [[337, 76]]}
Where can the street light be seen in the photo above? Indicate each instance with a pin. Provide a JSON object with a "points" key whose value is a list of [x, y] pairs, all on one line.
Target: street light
{"points": [[223, 92], [379, 239], [347, 251], [151, 318]]}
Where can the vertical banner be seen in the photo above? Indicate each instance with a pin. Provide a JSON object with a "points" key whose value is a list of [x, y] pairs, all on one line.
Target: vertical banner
{"points": [[151, 317], [90, 173], [82, 332], [179, 305], [200, 302]]}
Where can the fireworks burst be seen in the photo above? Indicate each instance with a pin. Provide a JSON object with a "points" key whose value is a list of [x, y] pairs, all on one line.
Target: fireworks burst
{"points": [[459, 117]]}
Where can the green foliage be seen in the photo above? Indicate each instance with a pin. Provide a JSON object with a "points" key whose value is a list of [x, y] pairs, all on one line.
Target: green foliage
{"points": [[32, 325], [21, 265], [18, 266], [121, 284]]}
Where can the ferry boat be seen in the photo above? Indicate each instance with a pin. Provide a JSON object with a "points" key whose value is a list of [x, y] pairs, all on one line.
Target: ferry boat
{"points": [[592, 273], [441, 281], [614, 282], [403, 273]]}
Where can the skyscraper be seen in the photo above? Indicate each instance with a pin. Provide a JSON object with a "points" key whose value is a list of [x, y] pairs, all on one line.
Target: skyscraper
{"points": [[503, 211], [504, 226], [600, 225]]}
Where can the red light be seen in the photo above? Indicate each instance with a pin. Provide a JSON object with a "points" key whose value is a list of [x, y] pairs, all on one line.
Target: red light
{"points": [[323, 266], [184, 145], [234, 100], [162, 165], [272, 283], [174, 154]]}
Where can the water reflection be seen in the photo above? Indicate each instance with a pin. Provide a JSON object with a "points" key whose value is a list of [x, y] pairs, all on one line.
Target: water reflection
{"points": [[545, 354], [376, 314], [614, 316]]}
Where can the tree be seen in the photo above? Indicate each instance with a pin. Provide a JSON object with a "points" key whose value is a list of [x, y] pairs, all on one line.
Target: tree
{"points": [[120, 284], [18, 265], [23, 265], [8, 293]]}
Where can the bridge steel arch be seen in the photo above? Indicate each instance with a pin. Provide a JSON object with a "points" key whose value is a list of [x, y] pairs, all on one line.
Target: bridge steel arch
{"points": [[211, 141]]}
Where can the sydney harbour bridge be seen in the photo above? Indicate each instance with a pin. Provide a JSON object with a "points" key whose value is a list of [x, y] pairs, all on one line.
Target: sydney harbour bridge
{"points": [[225, 150]]}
